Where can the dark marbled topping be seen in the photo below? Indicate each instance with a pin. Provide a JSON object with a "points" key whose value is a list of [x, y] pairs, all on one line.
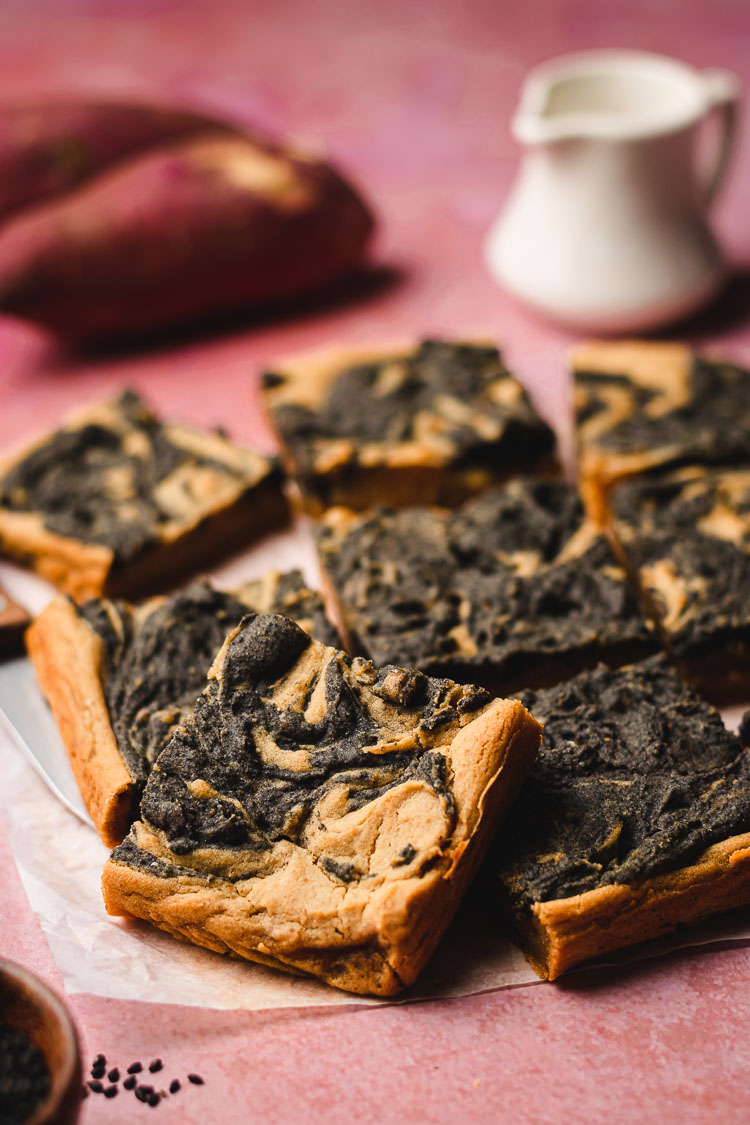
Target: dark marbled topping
{"points": [[484, 587], [672, 522], [291, 597], [713, 426], [156, 663], [156, 670], [356, 408], [255, 799], [130, 854], [637, 776], [88, 486]]}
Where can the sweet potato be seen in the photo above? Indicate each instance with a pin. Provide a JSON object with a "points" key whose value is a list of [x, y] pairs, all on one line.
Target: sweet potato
{"points": [[46, 148], [181, 232]]}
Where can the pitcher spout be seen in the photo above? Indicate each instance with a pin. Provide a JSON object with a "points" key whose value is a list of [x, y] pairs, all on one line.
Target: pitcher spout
{"points": [[616, 95], [610, 230]]}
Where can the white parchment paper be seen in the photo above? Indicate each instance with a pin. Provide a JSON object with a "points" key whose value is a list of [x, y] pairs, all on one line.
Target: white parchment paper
{"points": [[60, 860]]}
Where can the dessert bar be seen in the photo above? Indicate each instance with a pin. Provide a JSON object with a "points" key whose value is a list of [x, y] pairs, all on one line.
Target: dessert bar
{"points": [[117, 502], [317, 814], [686, 537], [425, 424], [120, 677], [635, 818], [645, 406], [515, 588]]}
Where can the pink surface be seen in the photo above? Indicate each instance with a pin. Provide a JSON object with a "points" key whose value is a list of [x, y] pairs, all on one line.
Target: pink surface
{"points": [[414, 99]]}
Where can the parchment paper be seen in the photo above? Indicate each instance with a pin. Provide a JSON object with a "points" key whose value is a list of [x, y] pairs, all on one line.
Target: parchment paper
{"points": [[60, 861]]}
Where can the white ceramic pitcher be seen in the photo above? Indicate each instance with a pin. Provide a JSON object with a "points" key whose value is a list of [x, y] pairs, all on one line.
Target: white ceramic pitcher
{"points": [[606, 227]]}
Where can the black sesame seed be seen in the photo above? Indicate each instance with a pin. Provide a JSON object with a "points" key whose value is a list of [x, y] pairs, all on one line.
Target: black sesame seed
{"points": [[195, 1079], [100, 1060], [135, 1068], [24, 1076], [114, 1075], [153, 1099], [96, 1087], [97, 1071], [110, 1092], [157, 1064], [174, 1086], [142, 1093], [129, 1083]]}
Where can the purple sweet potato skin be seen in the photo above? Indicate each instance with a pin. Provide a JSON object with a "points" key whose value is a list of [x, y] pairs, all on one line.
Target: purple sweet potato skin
{"points": [[47, 148], [179, 233]]}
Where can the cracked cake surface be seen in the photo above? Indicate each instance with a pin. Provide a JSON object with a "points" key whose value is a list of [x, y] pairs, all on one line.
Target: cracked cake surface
{"points": [[121, 677], [514, 588], [116, 498], [633, 819], [317, 814], [430, 423], [686, 536]]}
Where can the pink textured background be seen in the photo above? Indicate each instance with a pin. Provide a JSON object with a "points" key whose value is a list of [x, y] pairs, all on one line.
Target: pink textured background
{"points": [[413, 97]]}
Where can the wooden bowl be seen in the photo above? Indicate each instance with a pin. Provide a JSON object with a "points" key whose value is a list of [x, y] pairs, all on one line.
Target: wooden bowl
{"points": [[29, 1007]]}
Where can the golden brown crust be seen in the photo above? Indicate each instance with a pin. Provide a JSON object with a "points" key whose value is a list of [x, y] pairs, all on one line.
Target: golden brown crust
{"points": [[565, 932], [309, 379], [655, 364], [684, 539], [362, 489], [372, 936], [662, 368], [312, 375], [215, 537], [68, 657], [80, 569], [85, 570], [209, 513], [425, 465]]}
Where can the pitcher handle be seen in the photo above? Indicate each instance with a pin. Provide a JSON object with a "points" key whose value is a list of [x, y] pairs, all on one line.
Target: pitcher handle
{"points": [[722, 100]]}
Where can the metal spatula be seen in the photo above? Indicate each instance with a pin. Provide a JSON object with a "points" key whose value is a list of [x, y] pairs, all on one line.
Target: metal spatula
{"points": [[25, 716]]}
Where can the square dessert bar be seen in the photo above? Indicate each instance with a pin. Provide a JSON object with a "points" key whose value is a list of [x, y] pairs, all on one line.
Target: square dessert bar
{"points": [[515, 588], [317, 814], [686, 537], [120, 677], [117, 502], [431, 423], [634, 820], [644, 406]]}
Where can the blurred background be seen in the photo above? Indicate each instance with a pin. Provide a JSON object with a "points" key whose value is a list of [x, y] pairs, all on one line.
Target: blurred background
{"points": [[413, 99]]}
